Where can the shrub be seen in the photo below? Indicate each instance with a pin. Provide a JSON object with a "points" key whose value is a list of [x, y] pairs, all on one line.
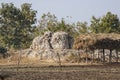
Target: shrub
{"points": [[3, 50]]}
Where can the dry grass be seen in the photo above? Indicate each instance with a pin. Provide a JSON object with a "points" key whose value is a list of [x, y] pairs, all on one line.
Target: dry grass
{"points": [[97, 41], [34, 69]]}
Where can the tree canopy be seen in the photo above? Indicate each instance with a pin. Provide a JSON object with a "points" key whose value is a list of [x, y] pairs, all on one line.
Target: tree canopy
{"points": [[109, 23], [16, 24], [49, 22]]}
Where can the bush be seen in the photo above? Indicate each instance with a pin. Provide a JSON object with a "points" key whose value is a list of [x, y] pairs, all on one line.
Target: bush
{"points": [[3, 50]]}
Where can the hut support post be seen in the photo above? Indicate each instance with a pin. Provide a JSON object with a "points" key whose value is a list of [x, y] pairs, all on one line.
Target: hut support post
{"points": [[98, 56], [117, 57], [103, 55], [110, 56]]}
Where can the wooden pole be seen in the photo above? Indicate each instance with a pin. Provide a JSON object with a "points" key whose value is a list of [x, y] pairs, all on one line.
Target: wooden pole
{"points": [[117, 57], [110, 56], [19, 59], [98, 56], [103, 55]]}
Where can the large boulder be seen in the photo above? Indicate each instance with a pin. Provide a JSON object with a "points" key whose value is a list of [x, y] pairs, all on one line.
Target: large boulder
{"points": [[48, 46], [58, 40]]}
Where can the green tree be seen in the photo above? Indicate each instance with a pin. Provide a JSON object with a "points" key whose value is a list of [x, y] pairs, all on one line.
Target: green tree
{"points": [[16, 25], [82, 27], [66, 27], [47, 22], [110, 23], [95, 25]]}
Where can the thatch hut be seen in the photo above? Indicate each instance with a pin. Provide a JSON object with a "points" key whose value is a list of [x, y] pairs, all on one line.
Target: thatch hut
{"points": [[98, 41]]}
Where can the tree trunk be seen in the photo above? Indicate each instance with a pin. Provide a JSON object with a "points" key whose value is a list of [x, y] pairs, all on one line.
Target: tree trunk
{"points": [[103, 55], [110, 56], [117, 57]]}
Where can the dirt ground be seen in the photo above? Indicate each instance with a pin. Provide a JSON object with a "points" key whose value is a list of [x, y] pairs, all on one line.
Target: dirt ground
{"points": [[66, 72]]}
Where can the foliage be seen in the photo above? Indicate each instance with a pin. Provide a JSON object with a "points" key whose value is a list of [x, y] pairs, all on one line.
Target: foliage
{"points": [[16, 25], [95, 25], [49, 22], [82, 27], [107, 24], [3, 50], [66, 27], [110, 23]]}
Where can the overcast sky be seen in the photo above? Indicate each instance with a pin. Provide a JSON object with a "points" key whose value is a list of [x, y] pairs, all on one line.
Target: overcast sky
{"points": [[79, 10]]}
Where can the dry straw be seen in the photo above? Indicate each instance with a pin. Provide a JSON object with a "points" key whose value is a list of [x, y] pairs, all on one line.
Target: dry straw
{"points": [[97, 41]]}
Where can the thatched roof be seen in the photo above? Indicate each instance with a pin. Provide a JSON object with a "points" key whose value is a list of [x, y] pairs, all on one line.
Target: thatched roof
{"points": [[97, 41]]}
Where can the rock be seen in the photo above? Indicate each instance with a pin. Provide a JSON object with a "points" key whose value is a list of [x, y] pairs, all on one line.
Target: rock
{"points": [[58, 40], [42, 42], [50, 54], [48, 46], [61, 40]]}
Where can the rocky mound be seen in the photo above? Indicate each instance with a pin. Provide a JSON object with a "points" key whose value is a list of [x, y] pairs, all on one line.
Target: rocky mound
{"points": [[50, 45], [58, 40]]}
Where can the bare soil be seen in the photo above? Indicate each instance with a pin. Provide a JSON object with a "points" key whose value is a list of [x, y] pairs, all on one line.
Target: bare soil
{"points": [[65, 72]]}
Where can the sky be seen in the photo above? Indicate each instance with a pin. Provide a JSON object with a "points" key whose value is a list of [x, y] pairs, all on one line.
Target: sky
{"points": [[77, 10]]}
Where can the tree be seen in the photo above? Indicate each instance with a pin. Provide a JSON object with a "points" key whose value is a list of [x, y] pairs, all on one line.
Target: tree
{"points": [[28, 23], [47, 22], [66, 27], [110, 23], [82, 27], [16, 25], [95, 25], [107, 24]]}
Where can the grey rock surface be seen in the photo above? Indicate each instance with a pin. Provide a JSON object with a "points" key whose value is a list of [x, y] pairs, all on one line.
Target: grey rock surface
{"points": [[58, 40], [50, 45]]}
